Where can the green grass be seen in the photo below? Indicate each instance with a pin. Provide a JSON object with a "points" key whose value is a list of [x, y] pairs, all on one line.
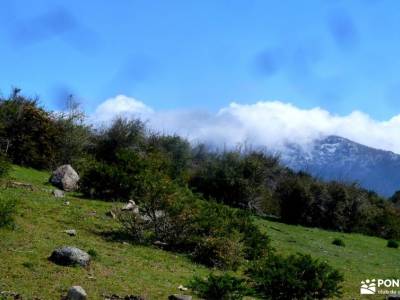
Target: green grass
{"points": [[125, 269], [118, 268], [364, 257]]}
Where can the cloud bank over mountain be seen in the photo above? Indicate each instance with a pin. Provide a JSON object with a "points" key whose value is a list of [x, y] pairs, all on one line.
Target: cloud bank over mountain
{"points": [[265, 123]]}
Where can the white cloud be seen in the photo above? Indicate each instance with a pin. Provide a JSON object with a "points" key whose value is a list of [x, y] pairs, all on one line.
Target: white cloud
{"points": [[119, 106], [266, 123]]}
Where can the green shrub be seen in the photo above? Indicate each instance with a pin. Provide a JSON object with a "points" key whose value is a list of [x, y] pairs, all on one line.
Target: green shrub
{"points": [[4, 166], [295, 277], [133, 225], [237, 178], [338, 242], [8, 209], [121, 134], [225, 236], [392, 244], [93, 254], [31, 131], [29, 265], [224, 252], [213, 234], [221, 287]]}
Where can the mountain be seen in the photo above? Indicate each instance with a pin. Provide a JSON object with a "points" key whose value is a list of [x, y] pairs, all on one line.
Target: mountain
{"points": [[337, 158]]}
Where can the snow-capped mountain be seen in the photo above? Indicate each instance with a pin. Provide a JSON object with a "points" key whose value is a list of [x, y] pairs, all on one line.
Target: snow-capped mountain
{"points": [[337, 158]]}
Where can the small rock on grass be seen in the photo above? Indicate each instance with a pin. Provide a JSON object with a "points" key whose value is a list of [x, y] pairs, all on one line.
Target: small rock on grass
{"points": [[70, 232], [182, 288], [180, 297], [76, 293], [58, 193], [129, 297]]}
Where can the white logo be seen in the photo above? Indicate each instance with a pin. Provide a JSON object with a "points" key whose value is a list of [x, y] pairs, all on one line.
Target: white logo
{"points": [[368, 287]]}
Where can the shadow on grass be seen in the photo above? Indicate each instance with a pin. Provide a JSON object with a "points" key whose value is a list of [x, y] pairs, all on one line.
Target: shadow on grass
{"points": [[114, 235]]}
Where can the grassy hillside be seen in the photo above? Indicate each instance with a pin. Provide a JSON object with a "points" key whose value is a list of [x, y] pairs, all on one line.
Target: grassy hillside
{"points": [[362, 257], [124, 269]]}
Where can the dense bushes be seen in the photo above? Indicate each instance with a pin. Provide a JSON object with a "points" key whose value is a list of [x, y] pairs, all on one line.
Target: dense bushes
{"points": [[392, 244], [221, 287], [29, 131], [213, 234], [336, 206], [277, 278], [8, 209], [236, 178], [338, 242], [294, 277], [34, 137], [4, 165]]}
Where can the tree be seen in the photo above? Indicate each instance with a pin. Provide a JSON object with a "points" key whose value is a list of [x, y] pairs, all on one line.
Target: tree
{"points": [[30, 131]]}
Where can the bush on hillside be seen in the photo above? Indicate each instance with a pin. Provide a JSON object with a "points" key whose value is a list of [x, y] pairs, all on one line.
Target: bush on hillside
{"points": [[212, 233], [121, 134], [127, 177], [8, 208], [294, 277], [4, 166], [338, 242], [30, 131], [395, 198], [221, 287], [392, 244], [236, 178], [178, 152], [74, 136]]}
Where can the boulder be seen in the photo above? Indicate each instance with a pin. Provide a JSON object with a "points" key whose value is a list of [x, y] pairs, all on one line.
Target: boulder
{"points": [[69, 256], [58, 193], [131, 206], [180, 297], [65, 178], [76, 293]]}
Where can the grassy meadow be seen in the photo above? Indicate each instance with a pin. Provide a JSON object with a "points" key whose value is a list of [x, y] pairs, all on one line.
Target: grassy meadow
{"points": [[124, 269]]}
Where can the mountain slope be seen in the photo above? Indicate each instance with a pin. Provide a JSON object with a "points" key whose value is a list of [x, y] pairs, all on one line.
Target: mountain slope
{"points": [[126, 269], [337, 158]]}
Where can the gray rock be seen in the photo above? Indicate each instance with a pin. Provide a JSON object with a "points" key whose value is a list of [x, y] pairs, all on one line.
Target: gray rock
{"points": [[160, 244], [70, 232], [58, 193], [65, 178], [76, 293], [68, 256], [128, 297], [179, 297], [131, 206]]}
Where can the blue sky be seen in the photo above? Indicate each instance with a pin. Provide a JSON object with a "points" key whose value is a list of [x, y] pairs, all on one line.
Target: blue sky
{"points": [[338, 55]]}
